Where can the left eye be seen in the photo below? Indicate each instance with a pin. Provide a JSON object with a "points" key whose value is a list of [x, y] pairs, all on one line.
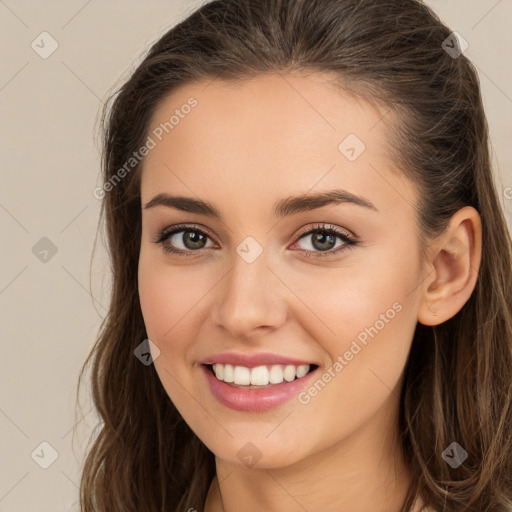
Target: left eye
{"points": [[323, 241]]}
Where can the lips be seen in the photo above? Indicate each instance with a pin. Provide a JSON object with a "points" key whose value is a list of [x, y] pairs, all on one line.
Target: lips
{"points": [[254, 399]]}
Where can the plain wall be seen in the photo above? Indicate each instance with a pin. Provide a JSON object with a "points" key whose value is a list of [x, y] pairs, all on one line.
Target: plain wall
{"points": [[50, 166]]}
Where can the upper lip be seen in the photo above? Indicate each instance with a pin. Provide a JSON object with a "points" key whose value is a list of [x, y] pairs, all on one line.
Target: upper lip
{"points": [[252, 360]]}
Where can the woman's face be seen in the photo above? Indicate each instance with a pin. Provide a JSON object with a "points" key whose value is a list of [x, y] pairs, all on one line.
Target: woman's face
{"points": [[261, 278]]}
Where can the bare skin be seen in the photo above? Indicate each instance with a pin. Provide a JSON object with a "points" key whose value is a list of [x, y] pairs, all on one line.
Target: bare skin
{"points": [[242, 148]]}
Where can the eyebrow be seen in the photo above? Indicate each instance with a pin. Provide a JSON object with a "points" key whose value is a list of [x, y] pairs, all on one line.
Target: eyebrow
{"points": [[282, 208]]}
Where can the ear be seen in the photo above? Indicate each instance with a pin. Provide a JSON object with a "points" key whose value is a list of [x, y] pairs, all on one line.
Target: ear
{"points": [[454, 258]]}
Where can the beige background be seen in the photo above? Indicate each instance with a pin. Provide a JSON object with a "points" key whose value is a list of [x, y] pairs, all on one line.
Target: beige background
{"points": [[50, 166]]}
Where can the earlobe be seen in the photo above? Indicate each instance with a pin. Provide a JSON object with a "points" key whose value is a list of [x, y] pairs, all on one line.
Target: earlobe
{"points": [[454, 262]]}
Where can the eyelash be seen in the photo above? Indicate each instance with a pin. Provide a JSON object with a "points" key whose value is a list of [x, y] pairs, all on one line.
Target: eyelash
{"points": [[349, 242]]}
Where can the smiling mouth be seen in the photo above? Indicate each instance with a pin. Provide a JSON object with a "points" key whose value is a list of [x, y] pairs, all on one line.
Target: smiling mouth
{"points": [[259, 377]]}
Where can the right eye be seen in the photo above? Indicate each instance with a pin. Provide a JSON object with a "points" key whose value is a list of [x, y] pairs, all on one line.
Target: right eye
{"points": [[191, 238]]}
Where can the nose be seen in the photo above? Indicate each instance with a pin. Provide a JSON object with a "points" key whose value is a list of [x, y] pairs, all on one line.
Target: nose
{"points": [[249, 301]]}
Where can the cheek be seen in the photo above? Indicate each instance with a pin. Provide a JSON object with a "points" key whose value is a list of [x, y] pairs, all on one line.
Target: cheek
{"points": [[372, 292], [157, 302], [373, 315], [172, 302], [366, 357], [166, 296]]}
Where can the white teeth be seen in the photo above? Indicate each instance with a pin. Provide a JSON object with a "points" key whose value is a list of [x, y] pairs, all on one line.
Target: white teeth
{"points": [[242, 376], [289, 373], [259, 375], [229, 373], [302, 370], [276, 374], [219, 371]]}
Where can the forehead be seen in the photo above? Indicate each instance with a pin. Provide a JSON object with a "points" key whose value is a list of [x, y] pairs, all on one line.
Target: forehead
{"points": [[267, 136]]}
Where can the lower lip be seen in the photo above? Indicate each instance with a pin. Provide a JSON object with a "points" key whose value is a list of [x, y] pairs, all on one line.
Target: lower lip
{"points": [[253, 399]]}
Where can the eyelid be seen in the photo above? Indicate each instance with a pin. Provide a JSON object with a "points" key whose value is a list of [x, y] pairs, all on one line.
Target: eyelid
{"points": [[166, 233], [323, 226]]}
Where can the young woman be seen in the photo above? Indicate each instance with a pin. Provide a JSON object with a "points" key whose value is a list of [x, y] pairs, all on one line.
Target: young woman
{"points": [[311, 303]]}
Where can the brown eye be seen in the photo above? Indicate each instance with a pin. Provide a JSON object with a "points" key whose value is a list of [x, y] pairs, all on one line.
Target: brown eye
{"points": [[191, 239], [183, 240], [321, 240], [325, 240]]}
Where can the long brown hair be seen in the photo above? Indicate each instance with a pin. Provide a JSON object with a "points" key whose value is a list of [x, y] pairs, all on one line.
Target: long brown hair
{"points": [[458, 377]]}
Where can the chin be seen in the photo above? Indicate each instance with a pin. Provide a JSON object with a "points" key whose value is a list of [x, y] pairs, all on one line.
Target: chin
{"points": [[258, 454]]}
